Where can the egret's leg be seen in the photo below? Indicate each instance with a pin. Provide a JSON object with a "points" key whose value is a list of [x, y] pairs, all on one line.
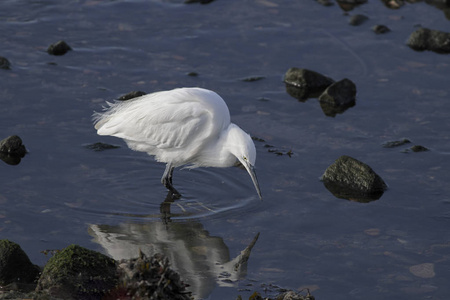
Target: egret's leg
{"points": [[167, 180]]}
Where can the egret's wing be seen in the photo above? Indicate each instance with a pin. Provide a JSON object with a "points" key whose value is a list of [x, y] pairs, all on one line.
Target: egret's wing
{"points": [[161, 120]]}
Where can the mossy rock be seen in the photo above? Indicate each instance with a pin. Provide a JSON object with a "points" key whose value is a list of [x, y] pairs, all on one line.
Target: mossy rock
{"points": [[15, 266], [78, 273], [352, 179]]}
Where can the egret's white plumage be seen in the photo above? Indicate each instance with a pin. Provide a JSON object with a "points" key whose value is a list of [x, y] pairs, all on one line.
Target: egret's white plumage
{"points": [[182, 127]]}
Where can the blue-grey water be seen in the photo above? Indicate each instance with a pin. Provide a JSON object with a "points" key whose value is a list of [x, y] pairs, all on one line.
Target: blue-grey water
{"points": [[61, 193]]}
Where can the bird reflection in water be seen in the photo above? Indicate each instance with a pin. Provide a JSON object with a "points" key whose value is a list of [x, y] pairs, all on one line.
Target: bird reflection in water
{"points": [[203, 261]]}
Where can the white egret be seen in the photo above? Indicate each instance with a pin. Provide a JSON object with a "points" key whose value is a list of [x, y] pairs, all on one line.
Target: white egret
{"points": [[183, 127]]}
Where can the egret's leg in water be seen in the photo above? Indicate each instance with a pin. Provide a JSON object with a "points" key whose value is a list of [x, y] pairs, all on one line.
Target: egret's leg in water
{"points": [[167, 180]]}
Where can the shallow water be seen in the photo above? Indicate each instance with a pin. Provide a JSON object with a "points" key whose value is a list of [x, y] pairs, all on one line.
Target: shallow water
{"points": [[63, 193]]}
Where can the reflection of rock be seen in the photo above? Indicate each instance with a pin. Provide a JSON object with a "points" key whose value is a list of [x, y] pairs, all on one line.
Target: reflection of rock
{"points": [[427, 39], [303, 83], [12, 150], [338, 97], [202, 260], [351, 179]]}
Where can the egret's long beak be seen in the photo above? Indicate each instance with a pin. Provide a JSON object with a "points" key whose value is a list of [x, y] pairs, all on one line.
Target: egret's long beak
{"points": [[251, 171]]}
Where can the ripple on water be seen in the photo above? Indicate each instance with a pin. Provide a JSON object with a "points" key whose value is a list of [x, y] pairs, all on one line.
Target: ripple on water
{"points": [[207, 192]]}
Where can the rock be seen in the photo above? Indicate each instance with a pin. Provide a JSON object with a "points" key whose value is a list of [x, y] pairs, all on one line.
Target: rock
{"points": [[393, 144], [58, 48], [4, 63], [148, 278], [12, 145], [419, 148], [356, 20], [348, 5], [380, 29], [432, 40], [131, 95], [351, 179], [15, 266], [303, 83], [338, 97], [78, 273]]}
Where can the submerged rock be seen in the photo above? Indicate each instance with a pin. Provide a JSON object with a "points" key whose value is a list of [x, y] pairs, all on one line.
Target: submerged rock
{"points": [[78, 273], [101, 146], [13, 146], [428, 39], [15, 266], [380, 29], [357, 20], [351, 179], [58, 48], [4, 63], [338, 97], [303, 83], [131, 95], [393, 144]]}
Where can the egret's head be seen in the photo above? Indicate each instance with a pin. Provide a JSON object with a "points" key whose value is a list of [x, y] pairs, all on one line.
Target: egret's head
{"points": [[242, 146]]}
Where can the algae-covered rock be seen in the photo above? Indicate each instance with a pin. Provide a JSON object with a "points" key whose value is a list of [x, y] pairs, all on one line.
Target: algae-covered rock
{"points": [[78, 273], [15, 266], [351, 179]]}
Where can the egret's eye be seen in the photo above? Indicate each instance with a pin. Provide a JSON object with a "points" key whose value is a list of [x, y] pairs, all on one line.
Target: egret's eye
{"points": [[244, 157]]}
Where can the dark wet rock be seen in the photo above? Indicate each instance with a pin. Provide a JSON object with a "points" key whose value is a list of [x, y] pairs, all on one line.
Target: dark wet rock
{"points": [[380, 29], [419, 148], [12, 150], [148, 278], [348, 5], [58, 48], [12, 145], [356, 20], [15, 266], [131, 95], [253, 78], [338, 97], [78, 273], [198, 1], [428, 39], [351, 179], [303, 83], [393, 144], [4, 63], [192, 74], [101, 146]]}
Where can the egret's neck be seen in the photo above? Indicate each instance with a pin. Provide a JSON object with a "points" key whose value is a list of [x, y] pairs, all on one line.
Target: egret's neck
{"points": [[218, 153]]}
